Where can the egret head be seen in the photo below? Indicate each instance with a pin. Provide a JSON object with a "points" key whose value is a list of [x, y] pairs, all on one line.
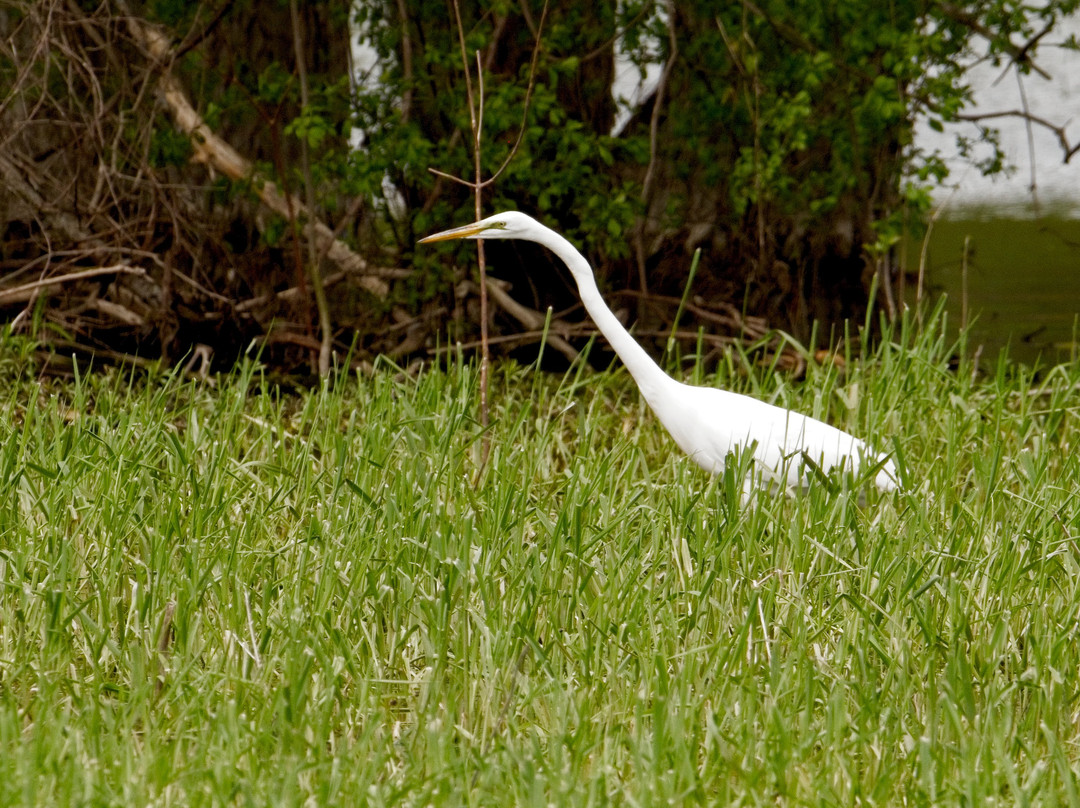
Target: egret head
{"points": [[509, 224]]}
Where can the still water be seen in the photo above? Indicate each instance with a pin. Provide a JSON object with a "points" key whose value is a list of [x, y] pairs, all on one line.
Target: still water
{"points": [[1017, 280], [1020, 273]]}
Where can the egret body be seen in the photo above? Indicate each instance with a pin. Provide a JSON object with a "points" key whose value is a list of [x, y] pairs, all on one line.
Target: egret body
{"points": [[707, 423]]}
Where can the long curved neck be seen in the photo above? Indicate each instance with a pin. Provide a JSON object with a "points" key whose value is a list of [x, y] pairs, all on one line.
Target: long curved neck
{"points": [[648, 375]]}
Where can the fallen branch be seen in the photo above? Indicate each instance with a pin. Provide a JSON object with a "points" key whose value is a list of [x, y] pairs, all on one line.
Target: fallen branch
{"points": [[749, 326], [521, 337], [14, 181], [291, 294], [215, 152], [118, 312], [96, 353], [25, 292], [294, 293], [530, 318]]}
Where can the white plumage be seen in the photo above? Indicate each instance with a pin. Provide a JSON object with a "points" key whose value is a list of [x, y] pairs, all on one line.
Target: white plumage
{"points": [[707, 423]]}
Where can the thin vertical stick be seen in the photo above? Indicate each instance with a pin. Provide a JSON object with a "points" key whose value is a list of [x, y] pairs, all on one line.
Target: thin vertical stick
{"points": [[1034, 187], [465, 65], [476, 120], [920, 285], [650, 170], [481, 263], [882, 269], [476, 123], [325, 327], [682, 303], [964, 284]]}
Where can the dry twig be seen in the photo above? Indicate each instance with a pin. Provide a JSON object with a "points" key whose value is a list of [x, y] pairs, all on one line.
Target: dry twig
{"points": [[26, 291]]}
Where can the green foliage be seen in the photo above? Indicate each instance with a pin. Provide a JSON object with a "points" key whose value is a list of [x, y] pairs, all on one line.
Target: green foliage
{"points": [[324, 118], [563, 168], [168, 147], [783, 124], [311, 126], [273, 83], [785, 109], [274, 230], [804, 106]]}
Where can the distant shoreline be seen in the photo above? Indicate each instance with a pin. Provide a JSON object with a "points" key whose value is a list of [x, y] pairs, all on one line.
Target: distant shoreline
{"points": [[1006, 207]]}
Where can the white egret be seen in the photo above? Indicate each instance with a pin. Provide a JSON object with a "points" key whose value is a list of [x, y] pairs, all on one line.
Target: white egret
{"points": [[707, 423]]}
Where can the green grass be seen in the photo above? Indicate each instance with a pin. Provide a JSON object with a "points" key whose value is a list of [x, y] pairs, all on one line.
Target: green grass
{"points": [[225, 595]]}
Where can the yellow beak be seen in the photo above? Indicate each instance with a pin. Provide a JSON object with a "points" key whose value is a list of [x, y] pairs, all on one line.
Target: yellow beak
{"points": [[457, 232]]}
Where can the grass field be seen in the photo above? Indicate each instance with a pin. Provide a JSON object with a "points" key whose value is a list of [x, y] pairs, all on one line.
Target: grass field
{"points": [[229, 595]]}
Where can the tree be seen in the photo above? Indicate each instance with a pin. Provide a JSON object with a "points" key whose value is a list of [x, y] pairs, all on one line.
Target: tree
{"points": [[778, 140]]}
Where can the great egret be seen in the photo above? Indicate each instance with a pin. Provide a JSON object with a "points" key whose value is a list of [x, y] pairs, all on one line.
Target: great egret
{"points": [[707, 423]]}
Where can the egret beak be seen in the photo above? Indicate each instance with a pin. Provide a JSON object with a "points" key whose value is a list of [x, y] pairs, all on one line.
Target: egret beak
{"points": [[467, 231]]}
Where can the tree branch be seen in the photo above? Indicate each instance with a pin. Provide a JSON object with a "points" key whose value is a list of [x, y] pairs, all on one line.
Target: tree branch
{"points": [[530, 318], [26, 291], [326, 329], [1020, 54], [215, 152], [1069, 149]]}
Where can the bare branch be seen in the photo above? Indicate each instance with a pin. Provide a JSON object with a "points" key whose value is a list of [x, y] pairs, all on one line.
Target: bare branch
{"points": [[215, 152], [326, 329], [524, 118], [1020, 54], [295, 293], [193, 40], [26, 291], [1068, 148], [530, 318], [451, 177], [528, 99], [654, 134]]}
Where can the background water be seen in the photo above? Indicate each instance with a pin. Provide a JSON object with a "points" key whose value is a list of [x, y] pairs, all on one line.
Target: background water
{"points": [[1014, 279], [1019, 274]]}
